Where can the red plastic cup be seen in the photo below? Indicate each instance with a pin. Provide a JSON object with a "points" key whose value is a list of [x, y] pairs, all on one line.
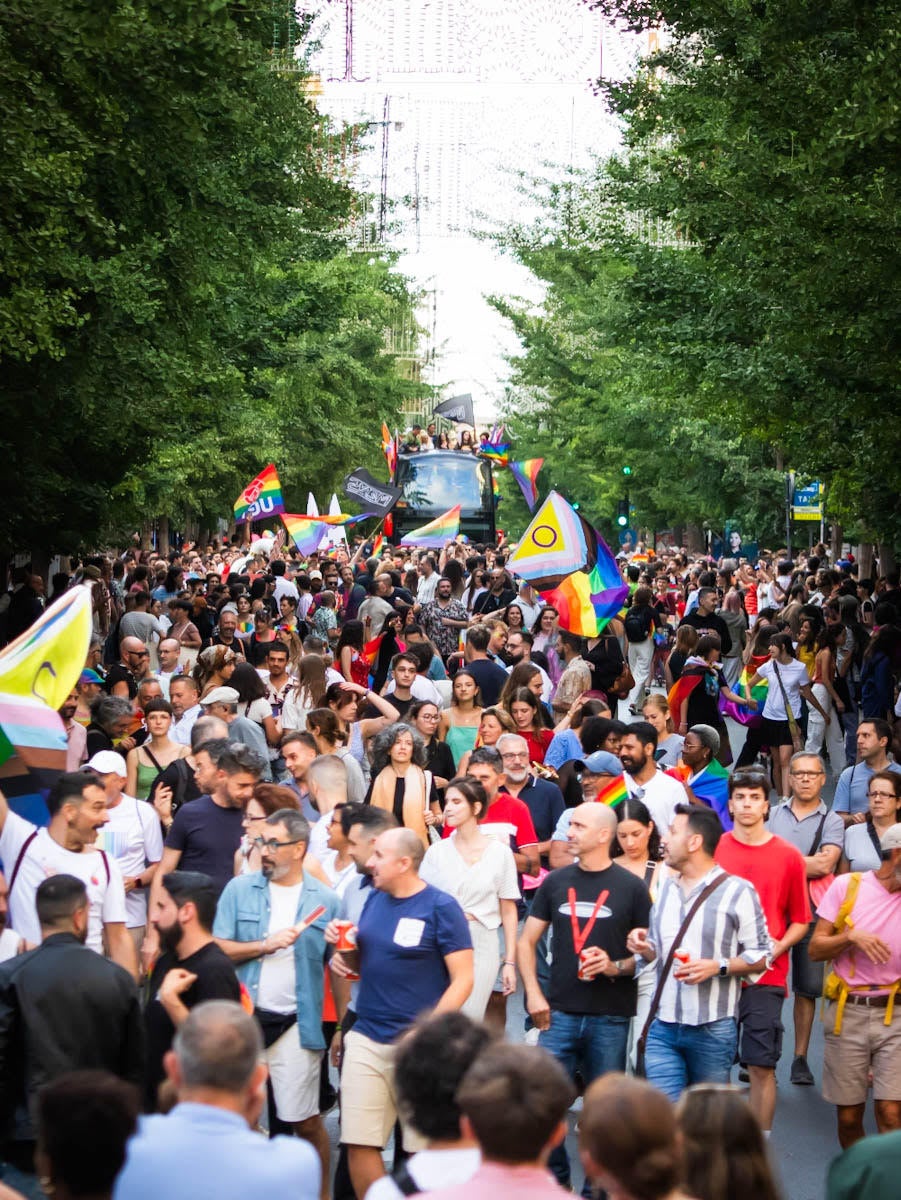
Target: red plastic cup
{"points": [[347, 935], [580, 974]]}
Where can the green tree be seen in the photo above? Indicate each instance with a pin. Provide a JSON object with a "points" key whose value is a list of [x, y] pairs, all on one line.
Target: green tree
{"points": [[177, 302], [722, 294]]}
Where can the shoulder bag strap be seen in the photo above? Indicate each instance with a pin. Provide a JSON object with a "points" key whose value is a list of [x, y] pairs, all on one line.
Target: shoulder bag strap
{"points": [[22, 852], [817, 837], [152, 757], [677, 941], [790, 716], [404, 1181]]}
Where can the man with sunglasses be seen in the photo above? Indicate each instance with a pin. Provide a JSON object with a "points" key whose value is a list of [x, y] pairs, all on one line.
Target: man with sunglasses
{"points": [[260, 926], [134, 660]]}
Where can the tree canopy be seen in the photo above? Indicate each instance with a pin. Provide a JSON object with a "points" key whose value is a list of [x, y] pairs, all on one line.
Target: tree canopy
{"points": [[722, 298], [178, 303]]}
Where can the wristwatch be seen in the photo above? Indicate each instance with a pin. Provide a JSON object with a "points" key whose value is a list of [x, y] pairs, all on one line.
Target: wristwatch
{"points": [[620, 964], [724, 968]]}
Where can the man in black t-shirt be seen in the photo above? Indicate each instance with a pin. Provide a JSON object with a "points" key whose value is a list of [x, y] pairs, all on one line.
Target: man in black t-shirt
{"points": [[192, 968], [584, 1020], [705, 620]]}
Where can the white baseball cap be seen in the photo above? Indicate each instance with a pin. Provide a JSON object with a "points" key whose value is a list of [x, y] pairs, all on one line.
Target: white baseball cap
{"points": [[108, 762]]}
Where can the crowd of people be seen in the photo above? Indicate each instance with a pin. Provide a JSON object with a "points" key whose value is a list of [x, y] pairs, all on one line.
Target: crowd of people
{"points": [[323, 817]]}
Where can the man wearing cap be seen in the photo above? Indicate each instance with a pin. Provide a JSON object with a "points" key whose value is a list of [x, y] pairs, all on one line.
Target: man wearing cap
{"points": [[858, 930], [89, 687], [595, 772], [222, 702], [131, 836]]}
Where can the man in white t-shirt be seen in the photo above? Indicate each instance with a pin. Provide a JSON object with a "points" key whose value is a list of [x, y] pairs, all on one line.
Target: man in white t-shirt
{"points": [[10, 942], [132, 836], [659, 792], [77, 806]]}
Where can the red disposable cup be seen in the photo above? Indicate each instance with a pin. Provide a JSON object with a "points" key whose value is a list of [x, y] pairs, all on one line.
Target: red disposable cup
{"points": [[347, 935], [580, 974]]}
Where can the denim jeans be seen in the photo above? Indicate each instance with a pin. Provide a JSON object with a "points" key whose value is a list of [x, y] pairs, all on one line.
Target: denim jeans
{"points": [[590, 1046], [677, 1056]]}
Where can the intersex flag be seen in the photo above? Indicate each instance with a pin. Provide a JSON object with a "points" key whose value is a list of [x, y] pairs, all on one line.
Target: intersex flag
{"points": [[261, 498]]}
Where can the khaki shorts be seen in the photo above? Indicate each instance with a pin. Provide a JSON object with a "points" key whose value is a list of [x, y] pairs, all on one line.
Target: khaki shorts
{"points": [[368, 1098], [865, 1043], [294, 1072]]}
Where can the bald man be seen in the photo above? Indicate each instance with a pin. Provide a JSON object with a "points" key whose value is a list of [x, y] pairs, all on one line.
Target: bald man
{"points": [[134, 659], [414, 956], [592, 992]]}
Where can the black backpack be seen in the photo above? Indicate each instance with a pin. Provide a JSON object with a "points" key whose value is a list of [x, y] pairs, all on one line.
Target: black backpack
{"points": [[636, 625]]}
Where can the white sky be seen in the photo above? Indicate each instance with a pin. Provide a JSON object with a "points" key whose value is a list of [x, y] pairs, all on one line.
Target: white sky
{"points": [[476, 91]]}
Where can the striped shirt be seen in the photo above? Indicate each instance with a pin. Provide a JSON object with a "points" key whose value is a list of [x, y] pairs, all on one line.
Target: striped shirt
{"points": [[729, 924]]}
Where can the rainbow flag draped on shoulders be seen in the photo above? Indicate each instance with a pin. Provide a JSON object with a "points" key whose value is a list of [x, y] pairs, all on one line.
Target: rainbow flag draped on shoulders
{"points": [[740, 712], [711, 787], [261, 498]]}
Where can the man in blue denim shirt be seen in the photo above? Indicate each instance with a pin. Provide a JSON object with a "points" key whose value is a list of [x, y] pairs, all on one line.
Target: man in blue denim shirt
{"points": [[258, 925]]}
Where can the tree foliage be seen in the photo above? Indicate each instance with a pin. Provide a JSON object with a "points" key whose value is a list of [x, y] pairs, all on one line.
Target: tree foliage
{"points": [[742, 256], [177, 303]]}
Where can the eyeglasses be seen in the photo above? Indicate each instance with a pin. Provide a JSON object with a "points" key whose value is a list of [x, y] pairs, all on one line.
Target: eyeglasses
{"points": [[515, 754], [428, 716], [807, 774], [882, 796], [272, 844]]}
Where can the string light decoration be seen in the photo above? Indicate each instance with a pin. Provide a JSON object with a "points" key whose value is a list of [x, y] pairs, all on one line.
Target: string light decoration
{"points": [[460, 98]]}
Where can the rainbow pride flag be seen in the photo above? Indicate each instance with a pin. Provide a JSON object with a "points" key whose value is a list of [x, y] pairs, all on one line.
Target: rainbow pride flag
{"points": [[740, 712], [389, 449], [614, 793], [377, 544], [437, 533], [261, 498], [526, 475], [306, 532], [498, 452]]}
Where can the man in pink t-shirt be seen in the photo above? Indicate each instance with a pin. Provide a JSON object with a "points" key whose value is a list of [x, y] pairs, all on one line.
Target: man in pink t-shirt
{"points": [[864, 1036], [514, 1101]]}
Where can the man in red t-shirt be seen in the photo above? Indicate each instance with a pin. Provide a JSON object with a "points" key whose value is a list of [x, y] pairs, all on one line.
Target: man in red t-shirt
{"points": [[777, 871]]}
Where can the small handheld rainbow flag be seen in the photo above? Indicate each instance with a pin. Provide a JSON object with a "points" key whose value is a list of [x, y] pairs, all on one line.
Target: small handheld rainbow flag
{"points": [[614, 793], [261, 498], [436, 533], [377, 545], [526, 475], [497, 452]]}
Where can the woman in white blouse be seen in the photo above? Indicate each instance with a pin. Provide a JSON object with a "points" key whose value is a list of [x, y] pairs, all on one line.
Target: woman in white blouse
{"points": [[481, 873]]}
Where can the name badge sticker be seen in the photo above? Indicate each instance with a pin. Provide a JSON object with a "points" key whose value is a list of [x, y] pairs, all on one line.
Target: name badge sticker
{"points": [[409, 932]]}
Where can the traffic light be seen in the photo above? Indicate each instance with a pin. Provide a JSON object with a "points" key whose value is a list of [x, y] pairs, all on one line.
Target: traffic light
{"points": [[627, 470], [622, 513]]}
